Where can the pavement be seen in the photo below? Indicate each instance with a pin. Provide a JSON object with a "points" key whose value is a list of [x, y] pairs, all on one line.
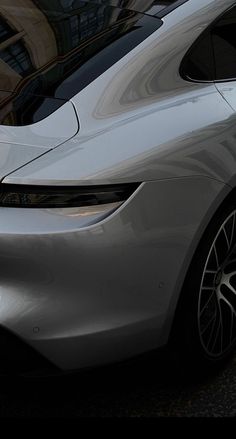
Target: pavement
{"points": [[143, 387]]}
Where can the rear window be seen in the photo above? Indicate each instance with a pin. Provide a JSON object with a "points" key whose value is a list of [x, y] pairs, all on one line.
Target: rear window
{"points": [[51, 50]]}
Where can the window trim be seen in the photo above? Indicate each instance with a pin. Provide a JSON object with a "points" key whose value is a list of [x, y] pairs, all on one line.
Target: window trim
{"points": [[14, 57], [163, 12], [208, 29]]}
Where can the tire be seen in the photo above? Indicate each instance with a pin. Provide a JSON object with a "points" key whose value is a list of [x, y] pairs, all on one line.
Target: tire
{"points": [[203, 335]]}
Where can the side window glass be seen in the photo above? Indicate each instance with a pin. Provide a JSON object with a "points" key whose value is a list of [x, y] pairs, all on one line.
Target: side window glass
{"points": [[198, 65], [224, 46]]}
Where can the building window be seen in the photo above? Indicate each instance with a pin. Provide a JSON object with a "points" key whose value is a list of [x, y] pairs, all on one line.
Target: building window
{"points": [[5, 31], [17, 57], [74, 26]]}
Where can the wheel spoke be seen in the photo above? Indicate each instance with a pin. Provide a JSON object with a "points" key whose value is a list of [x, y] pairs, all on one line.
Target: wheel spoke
{"points": [[221, 326], [217, 334], [232, 233], [230, 287], [217, 300], [212, 331], [216, 256], [212, 319], [226, 238], [208, 301], [228, 304]]}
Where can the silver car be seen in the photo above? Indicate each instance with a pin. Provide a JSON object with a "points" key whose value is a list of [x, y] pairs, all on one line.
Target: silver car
{"points": [[118, 182]]}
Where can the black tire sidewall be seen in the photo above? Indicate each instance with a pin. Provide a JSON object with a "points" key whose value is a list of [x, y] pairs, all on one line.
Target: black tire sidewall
{"points": [[185, 340]]}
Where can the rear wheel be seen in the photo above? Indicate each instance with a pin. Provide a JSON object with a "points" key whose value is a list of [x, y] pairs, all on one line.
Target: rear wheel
{"points": [[204, 332]]}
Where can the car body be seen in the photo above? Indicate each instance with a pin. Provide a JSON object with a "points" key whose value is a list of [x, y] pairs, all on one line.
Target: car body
{"points": [[92, 284]]}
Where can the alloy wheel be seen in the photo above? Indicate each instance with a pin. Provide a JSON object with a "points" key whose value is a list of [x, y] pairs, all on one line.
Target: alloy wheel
{"points": [[217, 298]]}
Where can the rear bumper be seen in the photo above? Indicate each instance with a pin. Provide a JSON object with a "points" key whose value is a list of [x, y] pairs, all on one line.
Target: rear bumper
{"points": [[87, 296], [16, 356]]}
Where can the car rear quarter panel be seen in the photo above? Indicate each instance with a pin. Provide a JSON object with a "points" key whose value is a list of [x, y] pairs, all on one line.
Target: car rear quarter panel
{"points": [[140, 121], [87, 296]]}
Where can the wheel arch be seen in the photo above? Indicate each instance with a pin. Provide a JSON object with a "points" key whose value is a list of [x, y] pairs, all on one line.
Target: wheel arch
{"points": [[223, 198]]}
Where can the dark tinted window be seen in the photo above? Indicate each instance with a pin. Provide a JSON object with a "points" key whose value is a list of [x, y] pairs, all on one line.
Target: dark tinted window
{"points": [[213, 56], [146, 6], [224, 44], [199, 62], [69, 44]]}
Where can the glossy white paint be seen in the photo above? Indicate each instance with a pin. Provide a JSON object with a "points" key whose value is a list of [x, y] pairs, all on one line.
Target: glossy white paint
{"points": [[144, 148], [48, 133], [14, 156], [228, 91], [109, 290], [21, 145]]}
